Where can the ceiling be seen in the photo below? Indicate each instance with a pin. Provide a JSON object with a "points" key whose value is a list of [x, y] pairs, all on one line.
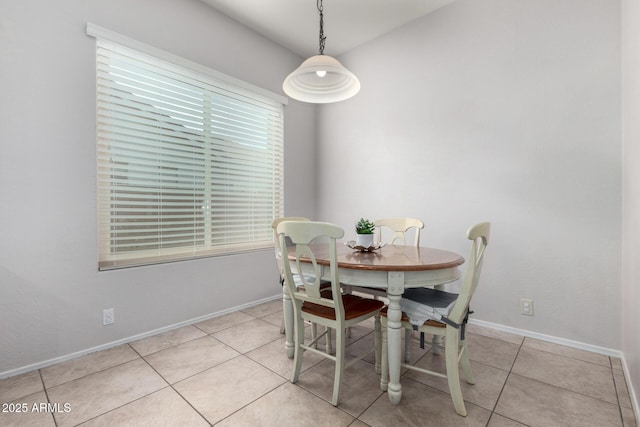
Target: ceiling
{"points": [[347, 23]]}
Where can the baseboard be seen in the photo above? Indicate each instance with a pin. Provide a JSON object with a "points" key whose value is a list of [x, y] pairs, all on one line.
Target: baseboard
{"points": [[549, 338], [632, 393], [56, 360]]}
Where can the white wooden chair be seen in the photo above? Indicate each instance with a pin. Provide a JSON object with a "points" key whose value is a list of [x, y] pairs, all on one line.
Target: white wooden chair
{"points": [[335, 311], [396, 231], [398, 227], [444, 314], [278, 252], [287, 311]]}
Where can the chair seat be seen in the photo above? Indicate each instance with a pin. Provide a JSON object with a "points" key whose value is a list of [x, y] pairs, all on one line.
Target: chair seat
{"points": [[354, 307], [422, 304], [405, 319]]}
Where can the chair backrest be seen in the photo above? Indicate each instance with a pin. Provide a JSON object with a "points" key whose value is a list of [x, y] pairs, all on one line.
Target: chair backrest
{"points": [[479, 235], [399, 227], [302, 234], [276, 241]]}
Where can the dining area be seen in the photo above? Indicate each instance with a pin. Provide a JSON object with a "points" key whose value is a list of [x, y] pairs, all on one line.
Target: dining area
{"points": [[321, 282]]}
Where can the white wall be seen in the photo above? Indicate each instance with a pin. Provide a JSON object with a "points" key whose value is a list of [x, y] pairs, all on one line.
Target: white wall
{"points": [[631, 191], [51, 294], [499, 110]]}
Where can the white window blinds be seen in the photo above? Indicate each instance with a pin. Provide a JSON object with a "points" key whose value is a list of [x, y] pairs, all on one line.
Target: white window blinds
{"points": [[188, 165]]}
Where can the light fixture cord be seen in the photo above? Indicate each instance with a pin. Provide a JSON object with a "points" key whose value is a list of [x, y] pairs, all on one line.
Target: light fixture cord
{"points": [[322, 37]]}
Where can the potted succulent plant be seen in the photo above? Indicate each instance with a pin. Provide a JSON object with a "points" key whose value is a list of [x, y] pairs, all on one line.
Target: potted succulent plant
{"points": [[364, 233]]}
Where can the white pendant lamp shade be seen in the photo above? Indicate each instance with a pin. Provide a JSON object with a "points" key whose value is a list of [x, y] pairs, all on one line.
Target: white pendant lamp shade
{"points": [[321, 79]]}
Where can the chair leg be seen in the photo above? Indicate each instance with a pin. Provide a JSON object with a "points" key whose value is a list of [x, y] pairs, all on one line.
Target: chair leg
{"points": [[314, 334], [452, 341], [348, 290], [340, 350], [284, 293], [289, 320], [436, 341], [407, 345], [378, 343], [465, 364], [297, 355], [329, 341], [384, 368]]}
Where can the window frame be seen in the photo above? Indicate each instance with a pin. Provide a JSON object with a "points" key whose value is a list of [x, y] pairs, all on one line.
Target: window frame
{"points": [[227, 152]]}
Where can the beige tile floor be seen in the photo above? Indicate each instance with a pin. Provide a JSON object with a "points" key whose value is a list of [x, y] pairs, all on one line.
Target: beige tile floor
{"points": [[232, 371]]}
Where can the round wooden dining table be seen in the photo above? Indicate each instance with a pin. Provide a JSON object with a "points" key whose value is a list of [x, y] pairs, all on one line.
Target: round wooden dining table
{"points": [[392, 268]]}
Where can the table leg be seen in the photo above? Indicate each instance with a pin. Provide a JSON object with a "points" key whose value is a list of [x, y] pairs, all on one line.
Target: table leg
{"points": [[394, 335], [287, 308]]}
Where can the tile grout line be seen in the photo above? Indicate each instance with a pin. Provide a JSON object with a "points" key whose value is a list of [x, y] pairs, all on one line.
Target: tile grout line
{"points": [[46, 394], [573, 391], [615, 387], [493, 411], [171, 387], [252, 402], [126, 403], [89, 374], [168, 385], [245, 354], [569, 357], [448, 393], [568, 390]]}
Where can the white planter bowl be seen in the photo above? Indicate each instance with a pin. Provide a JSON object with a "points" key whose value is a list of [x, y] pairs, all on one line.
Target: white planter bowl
{"points": [[364, 240]]}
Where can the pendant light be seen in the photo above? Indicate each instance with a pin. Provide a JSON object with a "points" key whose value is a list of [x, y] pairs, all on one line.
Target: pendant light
{"points": [[321, 78]]}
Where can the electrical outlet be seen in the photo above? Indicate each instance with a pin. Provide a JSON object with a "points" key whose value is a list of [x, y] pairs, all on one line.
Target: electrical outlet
{"points": [[108, 316], [526, 306]]}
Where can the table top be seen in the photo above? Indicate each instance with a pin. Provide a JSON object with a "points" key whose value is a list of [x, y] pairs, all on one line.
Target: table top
{"points": [[389, 258]]}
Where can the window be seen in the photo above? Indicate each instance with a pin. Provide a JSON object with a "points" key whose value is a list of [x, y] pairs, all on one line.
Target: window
{"points": [[189, 164]]}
